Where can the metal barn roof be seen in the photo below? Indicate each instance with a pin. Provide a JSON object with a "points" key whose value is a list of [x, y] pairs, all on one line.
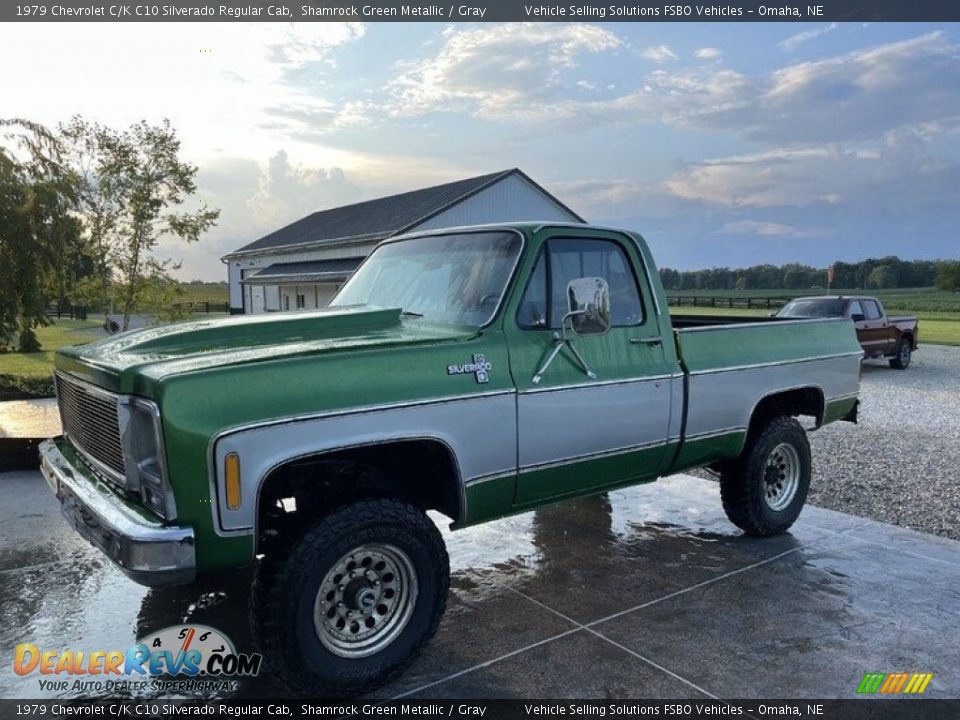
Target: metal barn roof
{"points": [[380, 218]]}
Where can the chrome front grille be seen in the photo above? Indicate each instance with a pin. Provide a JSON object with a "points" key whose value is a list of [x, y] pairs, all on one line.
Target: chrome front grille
{"points": [[90, 422]]}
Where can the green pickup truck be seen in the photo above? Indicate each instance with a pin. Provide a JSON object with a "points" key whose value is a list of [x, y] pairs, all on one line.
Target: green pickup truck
{"points": [[477, 372]]}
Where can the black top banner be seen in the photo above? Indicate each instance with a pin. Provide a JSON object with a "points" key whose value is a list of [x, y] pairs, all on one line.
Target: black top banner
{"points": [[483, 11]]}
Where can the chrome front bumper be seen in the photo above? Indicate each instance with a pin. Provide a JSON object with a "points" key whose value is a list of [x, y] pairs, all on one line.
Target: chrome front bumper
{"points": [[148, 552]]}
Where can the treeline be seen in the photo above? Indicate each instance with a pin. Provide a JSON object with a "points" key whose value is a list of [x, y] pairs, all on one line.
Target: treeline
{"points": [[873, 273]]}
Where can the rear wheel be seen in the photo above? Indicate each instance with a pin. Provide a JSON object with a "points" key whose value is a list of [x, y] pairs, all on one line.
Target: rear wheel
{"points": [[351, 603], [763, 491], [904, 351]]}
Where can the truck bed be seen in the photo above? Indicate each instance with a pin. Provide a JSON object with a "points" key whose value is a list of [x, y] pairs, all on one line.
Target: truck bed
{"points": [[730, 364], [682, 322]]}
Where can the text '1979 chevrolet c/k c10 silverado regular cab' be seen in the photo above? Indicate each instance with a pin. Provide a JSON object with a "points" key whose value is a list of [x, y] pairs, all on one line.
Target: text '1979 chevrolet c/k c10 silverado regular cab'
{"points": [[477, 372]]}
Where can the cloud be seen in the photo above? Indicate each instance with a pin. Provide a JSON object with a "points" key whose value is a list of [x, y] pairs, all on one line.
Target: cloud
{"points": [[494, 72], [898, 170], [321, 117], [254, 199], [488, 73], [862, 94], [707, 53], [766, 229], [601, 196], [294, 45], [776, 178], [659, 53], [853, 97], [857, 96], [211, 80], [286, 192], [801, 37]]}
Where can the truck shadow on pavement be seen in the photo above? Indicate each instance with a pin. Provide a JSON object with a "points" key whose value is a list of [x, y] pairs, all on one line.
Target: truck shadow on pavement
{"points": [[646, 593], [516, 583]]}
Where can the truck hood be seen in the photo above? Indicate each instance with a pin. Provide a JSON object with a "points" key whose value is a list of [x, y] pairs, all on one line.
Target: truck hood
{"points": [[157, 352]]}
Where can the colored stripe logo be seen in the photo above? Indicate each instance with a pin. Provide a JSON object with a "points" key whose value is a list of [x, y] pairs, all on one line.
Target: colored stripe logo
{"points": [[894, 683]]}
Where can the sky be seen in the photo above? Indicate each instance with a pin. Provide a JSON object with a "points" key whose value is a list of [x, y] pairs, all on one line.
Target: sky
{"points": [[723, 144]]}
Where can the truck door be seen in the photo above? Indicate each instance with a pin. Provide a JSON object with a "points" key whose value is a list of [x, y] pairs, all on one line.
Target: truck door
{"points": [[876, 329], [577, 432], [856, 313]]}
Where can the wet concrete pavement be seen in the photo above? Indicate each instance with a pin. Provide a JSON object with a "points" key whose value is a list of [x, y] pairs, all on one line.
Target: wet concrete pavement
{"points": [[29, 418], [648, 592], [23, 424]]}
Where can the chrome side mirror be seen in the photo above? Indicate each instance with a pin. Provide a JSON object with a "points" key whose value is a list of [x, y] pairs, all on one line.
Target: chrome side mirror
{"points": [[588, 302]]}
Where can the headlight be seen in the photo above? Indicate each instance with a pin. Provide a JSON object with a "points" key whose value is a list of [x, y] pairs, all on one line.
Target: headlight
{"points": [[143, 456]]}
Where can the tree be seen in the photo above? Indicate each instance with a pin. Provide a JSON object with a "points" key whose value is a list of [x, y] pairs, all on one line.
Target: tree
{"points": [[99, 209], [881, 277], [134, 185], [948, 275], [797, 276], [38, 192]]}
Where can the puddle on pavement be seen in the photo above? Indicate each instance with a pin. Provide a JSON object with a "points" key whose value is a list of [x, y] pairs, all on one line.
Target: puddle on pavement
{"points": [[77, 600]]}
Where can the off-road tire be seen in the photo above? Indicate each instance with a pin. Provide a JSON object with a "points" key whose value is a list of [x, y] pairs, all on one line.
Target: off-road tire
{"points": [[282, 600], [903, 353], [744, 481]]}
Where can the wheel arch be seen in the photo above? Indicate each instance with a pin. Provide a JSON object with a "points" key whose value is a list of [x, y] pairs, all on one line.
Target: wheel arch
{"points": [[803, 400], [422, 470]]}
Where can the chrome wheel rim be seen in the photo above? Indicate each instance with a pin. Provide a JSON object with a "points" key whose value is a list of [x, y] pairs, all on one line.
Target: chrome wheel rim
{"points": [[365, 600], [781, 476]]}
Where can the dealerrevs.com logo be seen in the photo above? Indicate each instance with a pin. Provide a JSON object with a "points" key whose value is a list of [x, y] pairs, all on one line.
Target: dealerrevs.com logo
{"points": [[177, 658]]}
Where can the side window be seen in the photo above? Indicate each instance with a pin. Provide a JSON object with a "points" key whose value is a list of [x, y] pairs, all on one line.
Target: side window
{"points": [[532, 314], [871, 310], [545, 301], [854, 308]]}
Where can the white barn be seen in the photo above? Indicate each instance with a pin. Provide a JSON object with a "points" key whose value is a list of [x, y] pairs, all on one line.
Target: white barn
{"points": [[302, 265]]}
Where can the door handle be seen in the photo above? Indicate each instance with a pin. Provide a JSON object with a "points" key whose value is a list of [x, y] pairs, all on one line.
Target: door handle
{"points": [[652, 341]]}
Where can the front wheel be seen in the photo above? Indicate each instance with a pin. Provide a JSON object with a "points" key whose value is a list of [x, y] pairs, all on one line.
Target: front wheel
{"points": [[901, 358], [763, 490], [354, 600]]}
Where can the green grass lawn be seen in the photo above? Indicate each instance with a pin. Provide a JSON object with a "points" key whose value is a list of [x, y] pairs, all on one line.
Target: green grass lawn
{"points": [[936, 327], [61, 333]]}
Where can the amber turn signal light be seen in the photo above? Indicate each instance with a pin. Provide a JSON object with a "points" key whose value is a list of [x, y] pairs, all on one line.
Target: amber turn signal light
{"points": [[231, 474]]}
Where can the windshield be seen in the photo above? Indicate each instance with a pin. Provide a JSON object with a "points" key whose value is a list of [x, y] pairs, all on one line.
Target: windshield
{"points": [[821, 308], [457, 279]]}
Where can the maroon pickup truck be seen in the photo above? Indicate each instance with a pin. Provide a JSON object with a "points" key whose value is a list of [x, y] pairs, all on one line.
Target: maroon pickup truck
{"points": [[880, 335]]}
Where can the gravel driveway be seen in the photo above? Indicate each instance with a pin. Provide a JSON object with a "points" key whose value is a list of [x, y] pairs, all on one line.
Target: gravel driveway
{"points": [[900, 463]]}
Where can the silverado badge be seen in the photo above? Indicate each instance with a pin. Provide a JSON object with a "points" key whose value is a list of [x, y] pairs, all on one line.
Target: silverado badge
{"points": [[479, 367]]}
